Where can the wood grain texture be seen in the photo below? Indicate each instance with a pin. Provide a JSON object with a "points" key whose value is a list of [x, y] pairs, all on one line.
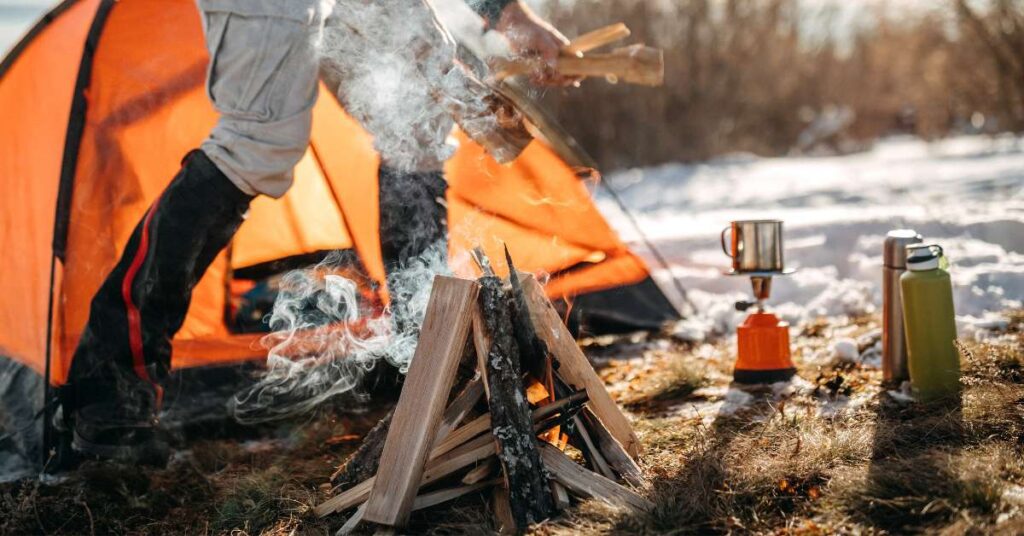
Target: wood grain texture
{"points": [[597, 38], [503, 511], [436, 469], [460, 408], [613, 453], [422, 402], [461, 435], [560, 494], [588, 484], [574, 367], [482, 343], [486, 468], [435, 498], [590, 450]]}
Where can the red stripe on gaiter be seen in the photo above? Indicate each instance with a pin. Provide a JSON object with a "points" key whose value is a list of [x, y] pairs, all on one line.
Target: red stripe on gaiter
{"points": [[132, 310]]}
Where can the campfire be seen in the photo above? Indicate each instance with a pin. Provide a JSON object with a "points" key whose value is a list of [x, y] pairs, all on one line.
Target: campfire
{"points": [[497, 392]]}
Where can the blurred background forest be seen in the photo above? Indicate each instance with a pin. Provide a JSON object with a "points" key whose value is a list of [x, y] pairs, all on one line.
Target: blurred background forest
{"points": [[776, 77]]}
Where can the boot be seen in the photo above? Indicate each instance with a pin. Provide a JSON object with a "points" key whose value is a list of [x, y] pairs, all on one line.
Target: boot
{"points": [[113, 393]]}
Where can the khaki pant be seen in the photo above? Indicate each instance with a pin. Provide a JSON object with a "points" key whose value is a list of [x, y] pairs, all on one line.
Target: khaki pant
{"points": [[266, 57]]}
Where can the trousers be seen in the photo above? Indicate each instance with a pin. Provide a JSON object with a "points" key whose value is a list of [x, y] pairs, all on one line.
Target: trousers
{"points": [[266, 60]]}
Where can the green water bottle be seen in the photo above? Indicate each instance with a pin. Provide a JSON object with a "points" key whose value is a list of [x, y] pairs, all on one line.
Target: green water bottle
{"points": [[928, 316]]}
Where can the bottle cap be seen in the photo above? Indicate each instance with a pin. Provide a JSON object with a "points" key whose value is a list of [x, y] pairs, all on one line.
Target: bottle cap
{"points": [[896, 242], [922, 257]]}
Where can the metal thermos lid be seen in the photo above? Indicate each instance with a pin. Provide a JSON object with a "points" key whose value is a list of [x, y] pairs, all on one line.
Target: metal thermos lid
{"points": [[896, 243], [924, 257]]}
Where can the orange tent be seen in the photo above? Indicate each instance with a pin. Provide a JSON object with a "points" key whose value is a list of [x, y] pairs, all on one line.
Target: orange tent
{"points": [[102, 99]]}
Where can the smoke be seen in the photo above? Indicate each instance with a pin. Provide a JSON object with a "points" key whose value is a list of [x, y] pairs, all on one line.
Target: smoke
{"points": [[395, 71], [393, 66], [326, 338]]}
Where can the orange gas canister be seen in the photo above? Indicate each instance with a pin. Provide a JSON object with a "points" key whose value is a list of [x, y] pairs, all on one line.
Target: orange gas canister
{"points": [[763, 354]]}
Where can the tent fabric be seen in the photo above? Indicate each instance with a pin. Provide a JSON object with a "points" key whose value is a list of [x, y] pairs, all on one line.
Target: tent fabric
{"points": [[94, 128]]}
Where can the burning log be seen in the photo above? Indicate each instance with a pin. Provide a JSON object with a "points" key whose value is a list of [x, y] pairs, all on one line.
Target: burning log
{"points": [[533, 351], [510, 416]]}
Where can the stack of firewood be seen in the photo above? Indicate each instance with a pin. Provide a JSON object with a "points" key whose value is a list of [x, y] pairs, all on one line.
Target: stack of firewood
{"points": [[497, 391]]}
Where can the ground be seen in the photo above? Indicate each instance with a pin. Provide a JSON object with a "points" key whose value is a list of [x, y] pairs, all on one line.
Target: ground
{"points": [[831, 451]]}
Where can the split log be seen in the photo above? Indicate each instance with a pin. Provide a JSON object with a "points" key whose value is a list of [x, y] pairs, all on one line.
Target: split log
{"points": [[363, 463], [503, 519], [462, 434], [425, 500], [612, 451], [435, 498], [460, 407], [434, 471], [420, 406], [597, 38], [635, 64], [482, 471], [511, 423], [590, 450], [352, 522], [574, 367], [482, 343], [588, 484], [442, 464], [560, 495]]}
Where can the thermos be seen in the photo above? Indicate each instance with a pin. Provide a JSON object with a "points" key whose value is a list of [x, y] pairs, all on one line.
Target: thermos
{"points": [[894, 346], [928, 316]]}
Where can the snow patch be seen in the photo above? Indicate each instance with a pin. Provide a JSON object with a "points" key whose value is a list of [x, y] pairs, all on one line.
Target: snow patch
{"points": [[966, 193]]}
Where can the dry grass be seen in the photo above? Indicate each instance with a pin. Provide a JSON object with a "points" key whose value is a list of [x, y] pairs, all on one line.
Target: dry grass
{"points": [[782, 464], [750, 76], [819, 460]]}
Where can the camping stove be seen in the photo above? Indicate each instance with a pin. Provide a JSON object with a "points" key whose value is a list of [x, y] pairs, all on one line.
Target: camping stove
{"points": [[763, 353]]}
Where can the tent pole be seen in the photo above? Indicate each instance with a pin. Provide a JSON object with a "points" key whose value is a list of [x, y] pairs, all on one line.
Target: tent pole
{"points": [[47, 406]]}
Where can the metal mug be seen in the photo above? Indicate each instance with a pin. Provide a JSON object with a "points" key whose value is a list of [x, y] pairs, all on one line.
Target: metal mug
{"points": [[754, 246]]}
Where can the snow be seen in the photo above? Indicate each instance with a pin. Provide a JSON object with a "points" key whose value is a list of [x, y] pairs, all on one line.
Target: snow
{"points": [[966, 193]]}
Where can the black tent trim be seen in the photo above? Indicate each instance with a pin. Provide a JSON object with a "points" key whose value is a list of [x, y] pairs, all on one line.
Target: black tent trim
{"points": [[27, 39], [72, 145]]}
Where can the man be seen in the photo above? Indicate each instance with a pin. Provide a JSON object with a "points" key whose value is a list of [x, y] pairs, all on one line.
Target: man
{"points": [[390, 63]]}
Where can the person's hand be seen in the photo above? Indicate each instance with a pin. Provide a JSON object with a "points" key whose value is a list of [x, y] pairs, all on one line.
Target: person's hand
{"points": [[533, 38]]}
